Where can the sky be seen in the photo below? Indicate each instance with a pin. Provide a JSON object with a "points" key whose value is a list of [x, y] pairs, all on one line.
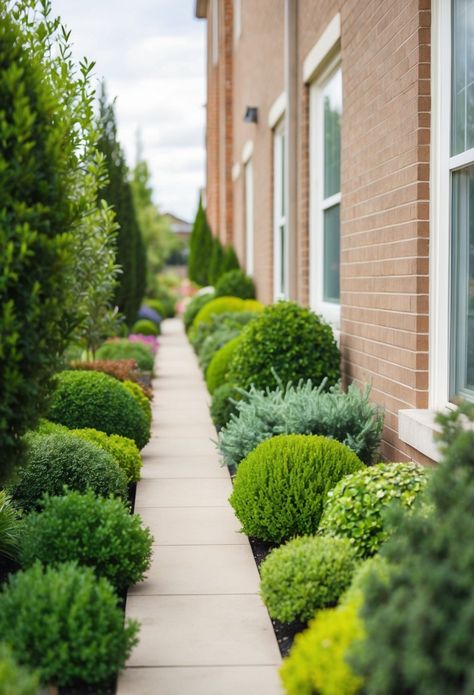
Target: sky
{"points": [[151, 54]]}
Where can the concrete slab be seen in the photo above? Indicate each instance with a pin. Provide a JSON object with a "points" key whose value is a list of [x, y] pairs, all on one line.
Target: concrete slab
{"points": [[183, 492], [194, 526], [177, 467]]}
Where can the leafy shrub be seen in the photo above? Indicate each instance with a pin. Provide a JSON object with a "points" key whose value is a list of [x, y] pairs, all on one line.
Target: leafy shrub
{"points": [[54, 461], [224, 305], [218, 370], [65, 623], [289, 341], [123, 349], [145, 327], [146, 313], [355, 506], [99, 533], [306, 574], [15, 679], [140, 398], [317, 661], [304, 409], [223, 405], [123, 370], [9, 528], [124, 450], [194, 307], [85, 399], [215, 334], [235, 283], [157, 305], [148, 341], [280, 488]]}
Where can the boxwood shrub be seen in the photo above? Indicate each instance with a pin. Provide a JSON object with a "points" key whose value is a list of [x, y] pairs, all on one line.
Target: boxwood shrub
{"points": [[306, 574], [124, 450], [355, 507], [223, 305], [223, 404], [146, 327], [140, 398], [123, 349], [85, 399], [65, 623], [56, 460], [15, 679], [217, 372], [280, 488], [194, 307], [235, 283], [96, 532], [287, 343]]}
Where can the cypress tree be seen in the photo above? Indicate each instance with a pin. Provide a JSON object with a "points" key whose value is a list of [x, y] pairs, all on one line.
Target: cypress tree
{"points": [[200, 248]]}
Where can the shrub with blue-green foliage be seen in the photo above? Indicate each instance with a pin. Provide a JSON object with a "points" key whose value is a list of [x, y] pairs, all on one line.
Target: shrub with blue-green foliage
{"points": [[210, 337], [349, 417]]}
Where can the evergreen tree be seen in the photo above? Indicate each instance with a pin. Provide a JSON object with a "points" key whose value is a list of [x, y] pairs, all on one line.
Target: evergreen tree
{"points": [[200, 248], [217, 261], [230, 262]]}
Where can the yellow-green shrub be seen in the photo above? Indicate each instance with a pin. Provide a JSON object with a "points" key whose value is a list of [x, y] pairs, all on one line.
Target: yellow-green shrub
{"points": [[224, 305], [140, 398], [217, 371], [124, 450]]}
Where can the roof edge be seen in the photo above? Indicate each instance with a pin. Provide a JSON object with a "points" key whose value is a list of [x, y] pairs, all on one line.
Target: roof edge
{"points": [[201, 9]]}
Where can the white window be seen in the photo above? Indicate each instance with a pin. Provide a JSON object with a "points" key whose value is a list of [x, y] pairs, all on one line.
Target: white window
{"points": [[280, 241], [215, 30], [249, 219], [325, 193], [237, 20]]}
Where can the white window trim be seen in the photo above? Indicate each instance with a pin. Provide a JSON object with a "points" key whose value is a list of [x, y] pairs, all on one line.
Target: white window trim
{"points": [[278, 220], [247, 151], [277, 111], [249, 217], [330, 311], [235, 171], [322, 49], [237, 20], [215, 31]]}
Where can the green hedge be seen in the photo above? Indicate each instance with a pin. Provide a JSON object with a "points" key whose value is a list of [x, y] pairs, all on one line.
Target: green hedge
{"points": [[123, 349], [217, 372]]}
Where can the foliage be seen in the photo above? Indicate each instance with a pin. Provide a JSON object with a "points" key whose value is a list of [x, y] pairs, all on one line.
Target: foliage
{"points": [[145, 327], [223, 404], [140, 398], [9, 528], [217, 373], [91, 399], [58, 460], [230, 262], [123, 349], [355, 507], [304, 409], [306, 574], [146, 312], [235, 283], [194, 307], [219, 327], [15, 679], [217, 260], [287, 340], [223, 305], [66, 623], [200, 248], [420, 622], [317, 662], [123, 370], [165, 295], [124, 450], [280, 488], [157, 305], [95, 532]]}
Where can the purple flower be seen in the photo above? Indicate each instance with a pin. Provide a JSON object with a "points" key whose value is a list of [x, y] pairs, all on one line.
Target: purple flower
{"points": [[147, 312], [149, 340]]}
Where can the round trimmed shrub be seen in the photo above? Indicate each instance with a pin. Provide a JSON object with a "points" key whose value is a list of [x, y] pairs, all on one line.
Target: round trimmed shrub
{"points": [[235, 283], [286, 343], [123, 349], [223, 406], [140, 398], [317, 661], [145, 327], [304, 575], [66, 623], [355, 506], [84, 399], [224, 305], [157, 305], [95, 532], [218, 369], [56, 461], [15, 679], [194, 307], [124, 450], [280, 487]]}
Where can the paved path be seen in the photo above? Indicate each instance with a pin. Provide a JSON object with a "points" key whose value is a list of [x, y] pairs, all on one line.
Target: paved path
{"points": [[204, 628]]}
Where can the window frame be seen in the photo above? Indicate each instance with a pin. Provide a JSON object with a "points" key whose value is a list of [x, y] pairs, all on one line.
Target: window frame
{"points": [[237, 20], [280, 289], [249, 217]]}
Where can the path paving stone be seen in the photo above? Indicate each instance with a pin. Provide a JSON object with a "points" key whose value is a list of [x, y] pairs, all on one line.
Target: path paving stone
{"points": [[204, 629]]}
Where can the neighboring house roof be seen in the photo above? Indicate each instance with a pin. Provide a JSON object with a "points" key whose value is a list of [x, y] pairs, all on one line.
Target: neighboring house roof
{"points": [[201, 9], [178, 225]]}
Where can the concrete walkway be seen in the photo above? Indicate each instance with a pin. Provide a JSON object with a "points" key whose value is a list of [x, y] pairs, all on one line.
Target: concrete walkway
{"points": [[204, 628]]}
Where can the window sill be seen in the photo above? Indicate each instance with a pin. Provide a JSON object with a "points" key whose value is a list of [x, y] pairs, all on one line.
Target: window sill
{"points": [[416, 428]]}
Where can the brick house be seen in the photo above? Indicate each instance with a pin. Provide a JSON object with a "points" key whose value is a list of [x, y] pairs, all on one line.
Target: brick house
{"points": [[340, 164]]}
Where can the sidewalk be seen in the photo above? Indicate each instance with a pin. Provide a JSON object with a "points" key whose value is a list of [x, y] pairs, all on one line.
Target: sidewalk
{"points": [[204, 628]]}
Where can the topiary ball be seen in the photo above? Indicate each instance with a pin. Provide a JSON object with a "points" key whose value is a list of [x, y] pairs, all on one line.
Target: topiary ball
{"points": [[289, 343], [235, 283], [146, 327], [124, 450], [58, 460], [95, 532], [66, 623], [223, 406], [306, 574], [281, 486], [225, 305], [216, 374], [140, 398], [355, 507], [84, 399], [123, 349]]}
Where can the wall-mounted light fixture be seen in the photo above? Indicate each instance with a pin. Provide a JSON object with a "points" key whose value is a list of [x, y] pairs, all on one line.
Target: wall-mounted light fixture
{"points": [[251, 114]]}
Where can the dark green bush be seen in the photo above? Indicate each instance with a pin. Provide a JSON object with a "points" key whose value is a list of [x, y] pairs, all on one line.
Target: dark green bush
{"points": [[95, 532], [65, 623], [9, 528], [304, 575], [138, 394], [145, 327], [304, 409], [194, 307], [223, 406], [290, 342], [217, 372], [356, 506], [124, 450], [54, 461], [123, 349], [15, 679], [84, 399], [235, 283], [281, 487]]}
